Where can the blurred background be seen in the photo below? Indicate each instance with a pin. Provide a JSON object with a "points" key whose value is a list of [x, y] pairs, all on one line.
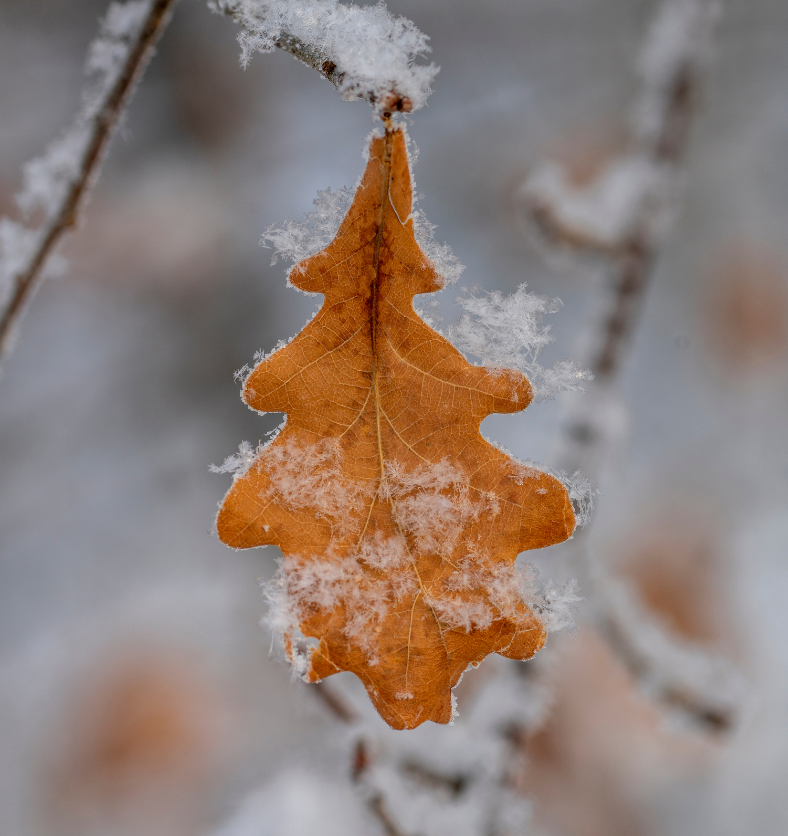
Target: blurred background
{"points": [[137, 695]]}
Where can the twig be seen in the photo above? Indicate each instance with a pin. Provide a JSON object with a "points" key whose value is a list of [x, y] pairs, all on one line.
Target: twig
{"points": [[103, 123], [682, 696], [377, 804]]}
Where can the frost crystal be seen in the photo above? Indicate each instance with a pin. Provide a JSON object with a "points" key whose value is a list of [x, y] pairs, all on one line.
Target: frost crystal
{"points": [[240, 462], [373, 53], [582, 492], [311, 477], [558, 605], [507, 331], [297, 240], [443, 260], [433, 503]]}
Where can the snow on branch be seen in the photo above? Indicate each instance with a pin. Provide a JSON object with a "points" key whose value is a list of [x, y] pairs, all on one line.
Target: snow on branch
{"points": [[295, 241], [56, 184], [364, 51], [460, 784], [675, 52]]}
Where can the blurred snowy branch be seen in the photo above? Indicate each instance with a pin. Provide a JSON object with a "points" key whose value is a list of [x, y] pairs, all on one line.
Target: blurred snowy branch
{"points": [[625, 215], [625, 212], [364, 51], [56, 185], [463, 784], [691, 682]]}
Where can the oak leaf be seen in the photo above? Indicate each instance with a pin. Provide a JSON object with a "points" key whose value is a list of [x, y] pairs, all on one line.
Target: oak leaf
{"points": [[398, 523]]}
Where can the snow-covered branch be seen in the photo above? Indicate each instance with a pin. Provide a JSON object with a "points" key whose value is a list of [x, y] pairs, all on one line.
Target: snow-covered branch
{"points": [[364, 51], [624, 215], [56, 185]]}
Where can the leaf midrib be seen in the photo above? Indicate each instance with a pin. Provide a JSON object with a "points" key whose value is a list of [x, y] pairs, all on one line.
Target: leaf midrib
{"points": [[384, 193]]}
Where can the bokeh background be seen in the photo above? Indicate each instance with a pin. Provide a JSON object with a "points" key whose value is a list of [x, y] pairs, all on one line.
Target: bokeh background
{"points": [[136, 690]]}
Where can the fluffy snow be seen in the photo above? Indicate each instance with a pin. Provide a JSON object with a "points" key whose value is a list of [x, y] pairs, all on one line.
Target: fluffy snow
{"points": [[298, 240], [671, 666], [441, 256], [432, 505], [508, 332], [374, 52]]}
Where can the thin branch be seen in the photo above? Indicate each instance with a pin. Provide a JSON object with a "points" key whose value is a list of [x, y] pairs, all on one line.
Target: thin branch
{"points": [[102, 125], [715, 713], [377, 804]]}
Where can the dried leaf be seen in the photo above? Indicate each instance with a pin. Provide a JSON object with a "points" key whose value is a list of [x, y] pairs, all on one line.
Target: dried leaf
{"points": [[399, 524]]}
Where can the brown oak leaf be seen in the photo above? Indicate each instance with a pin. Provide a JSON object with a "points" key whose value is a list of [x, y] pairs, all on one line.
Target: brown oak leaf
{"points": [[398, 523]]}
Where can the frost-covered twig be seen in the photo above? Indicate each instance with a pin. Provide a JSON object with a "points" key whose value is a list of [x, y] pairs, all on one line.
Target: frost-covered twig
{"points": [[624, 215], [364, 51], [58, 183]]}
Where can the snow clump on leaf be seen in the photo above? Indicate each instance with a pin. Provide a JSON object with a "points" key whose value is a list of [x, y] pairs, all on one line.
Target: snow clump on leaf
{"points": [[507, 332]]}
